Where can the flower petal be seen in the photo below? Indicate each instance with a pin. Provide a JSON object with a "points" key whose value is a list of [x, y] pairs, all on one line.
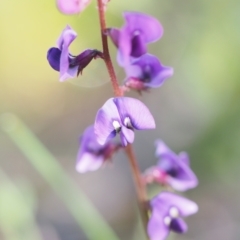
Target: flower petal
{"points": [[114, 34], [53, 57], [185, 206], [127, 136], [88, 162], [103, 127], [162, 149], [66, 37], [178, 225], [164, 73], [156, 228], [148, 26], [124, 47], [72, 6], [140, 116]]}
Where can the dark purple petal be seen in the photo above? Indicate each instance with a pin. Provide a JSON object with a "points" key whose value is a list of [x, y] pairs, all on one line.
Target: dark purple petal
{"points": [[178, 225], [185, 206], [83, 59], [53, 57], [104, 123], [156, 228], [134, 110], [139, 47], [148, 26]]}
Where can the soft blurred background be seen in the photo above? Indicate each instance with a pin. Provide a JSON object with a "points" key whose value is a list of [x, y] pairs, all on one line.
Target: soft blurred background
{"points": [[197, 110]]}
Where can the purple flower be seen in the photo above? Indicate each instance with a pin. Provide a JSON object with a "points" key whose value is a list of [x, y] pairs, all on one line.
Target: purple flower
{"points": [[91, 154], [167, 212], [146, 72], [132, 39], [61, 60], [72, 6], [172, 169], [122, 115]]}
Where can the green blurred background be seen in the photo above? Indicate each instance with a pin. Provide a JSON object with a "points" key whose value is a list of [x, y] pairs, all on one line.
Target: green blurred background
{"points": [[197, 110]]}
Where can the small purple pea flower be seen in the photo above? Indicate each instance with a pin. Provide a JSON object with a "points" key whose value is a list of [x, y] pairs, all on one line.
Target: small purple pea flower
{"points": [[132, 39], [62, 61], [91, 155], [171, 169], [167, 212], [122, 115], [146, 72]]}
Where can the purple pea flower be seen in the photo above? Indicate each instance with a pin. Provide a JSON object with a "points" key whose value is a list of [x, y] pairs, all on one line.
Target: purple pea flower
{"points": [[132, 39], [122, 115], [167, 212], [91, 155], [172, 169], [62, 61], [146, 72]]}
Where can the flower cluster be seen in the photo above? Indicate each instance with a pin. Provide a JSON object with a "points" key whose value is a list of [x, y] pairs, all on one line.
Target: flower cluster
{"points": [[173, 171], [123, 115]]}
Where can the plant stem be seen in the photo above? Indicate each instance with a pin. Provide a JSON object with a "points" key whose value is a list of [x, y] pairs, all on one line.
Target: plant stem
{"points": [[140, 187], [107, 58]]}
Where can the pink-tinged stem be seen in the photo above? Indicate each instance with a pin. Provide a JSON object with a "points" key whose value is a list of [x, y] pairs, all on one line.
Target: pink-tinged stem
{"points": [[107, 58]]}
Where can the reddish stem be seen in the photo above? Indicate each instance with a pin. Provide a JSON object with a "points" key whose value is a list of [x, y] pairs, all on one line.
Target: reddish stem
{"points": [[107, 58]]}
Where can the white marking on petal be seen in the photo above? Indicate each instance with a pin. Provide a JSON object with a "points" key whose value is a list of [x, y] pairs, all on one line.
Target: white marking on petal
{"points": [[136, 33], [116, 125], [167, 220], [173, 212], [127, 122]]}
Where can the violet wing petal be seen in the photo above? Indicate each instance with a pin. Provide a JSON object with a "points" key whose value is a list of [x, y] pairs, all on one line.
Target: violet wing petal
{"points": [[103, 126], [140, 116], [164, 74], [184, 179], [67, 32], [162, 149], [178, 225], [156, 228], [86, 159], [183, 156], [185, 206], [124, 47], [65, 40], [148, 26], [114, 34]]}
